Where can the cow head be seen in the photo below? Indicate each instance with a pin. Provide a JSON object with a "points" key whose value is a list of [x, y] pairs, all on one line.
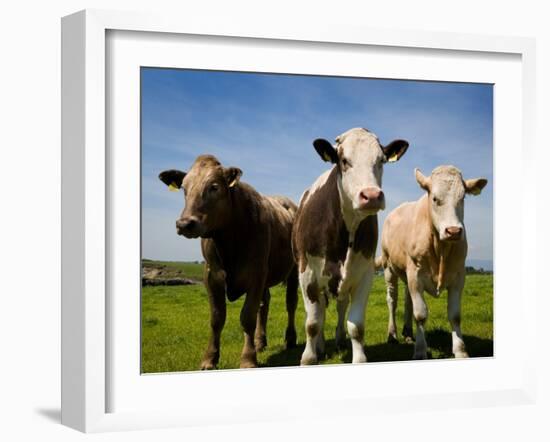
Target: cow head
{"points": [[359, 158], [446, 191], [207, 187]]}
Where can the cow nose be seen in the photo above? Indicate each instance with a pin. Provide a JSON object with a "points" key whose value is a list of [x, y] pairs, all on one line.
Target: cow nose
{"points": [[186, 225], [371, 194], [453, 232], [371, 198]]}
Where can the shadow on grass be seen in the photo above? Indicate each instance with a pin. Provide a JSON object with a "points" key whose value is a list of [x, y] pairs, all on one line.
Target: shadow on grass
{"points": [[438, 340], [376, 353], [441, 340], [284, 357]]}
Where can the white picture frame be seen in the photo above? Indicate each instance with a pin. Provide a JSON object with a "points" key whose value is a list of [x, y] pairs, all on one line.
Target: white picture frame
{"points": [[87, 355]]}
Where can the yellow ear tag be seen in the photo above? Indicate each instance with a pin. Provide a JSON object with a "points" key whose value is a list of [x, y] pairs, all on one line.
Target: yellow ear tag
{"points": [[326, 157], [232, 183], [393, 158], [172, 187]]}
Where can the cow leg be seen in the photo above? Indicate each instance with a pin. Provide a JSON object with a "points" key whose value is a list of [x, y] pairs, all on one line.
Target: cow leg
{"points": [[314, 302], [249, 314], [391, 299], [454, 296], [320, 346], [407, 318], [260, 338], [356, 317], [215, 286], [291, 304], [420, 312], [341, 307]]}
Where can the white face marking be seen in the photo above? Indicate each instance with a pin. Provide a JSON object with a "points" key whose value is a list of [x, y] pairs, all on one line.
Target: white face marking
{"points": [[361, 165], [447, 199]]}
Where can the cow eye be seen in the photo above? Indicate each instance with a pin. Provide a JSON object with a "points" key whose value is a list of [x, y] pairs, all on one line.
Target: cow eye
{"points": [[213, 187], [436, 200], [346, 163]]}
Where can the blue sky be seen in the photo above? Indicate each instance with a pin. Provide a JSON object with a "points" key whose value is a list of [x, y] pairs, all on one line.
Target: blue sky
{"points": [[265, 125]]}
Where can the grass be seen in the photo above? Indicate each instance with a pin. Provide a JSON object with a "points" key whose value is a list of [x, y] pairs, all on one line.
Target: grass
{"points": [[175, 326]]}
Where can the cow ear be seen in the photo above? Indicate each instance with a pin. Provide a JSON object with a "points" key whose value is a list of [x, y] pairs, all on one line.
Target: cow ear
{"points": [[325, 150], [232, 175], [424, 181], [474, 186], [395, 150], [172, 178]]}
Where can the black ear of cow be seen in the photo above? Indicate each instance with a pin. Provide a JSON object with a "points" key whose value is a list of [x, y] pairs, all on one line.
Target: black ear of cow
{"points": [[325, 150], [395, 150], [172, 177]]}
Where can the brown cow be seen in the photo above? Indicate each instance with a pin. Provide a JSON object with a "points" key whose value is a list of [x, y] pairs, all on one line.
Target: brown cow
{"points": [[424, 244], [245, 241]]}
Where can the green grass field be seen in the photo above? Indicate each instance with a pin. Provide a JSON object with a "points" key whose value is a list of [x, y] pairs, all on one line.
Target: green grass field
{"points": [[175, 326]]}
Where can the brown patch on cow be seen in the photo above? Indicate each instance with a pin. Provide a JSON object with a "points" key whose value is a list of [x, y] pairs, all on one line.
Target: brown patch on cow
{"points": [[312, 291], [319, 228], [333, 271], [366, 237], [312, 329]]}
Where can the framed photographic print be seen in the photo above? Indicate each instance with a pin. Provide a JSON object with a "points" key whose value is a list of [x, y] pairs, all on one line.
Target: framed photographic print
{"points": [[251, 209]]}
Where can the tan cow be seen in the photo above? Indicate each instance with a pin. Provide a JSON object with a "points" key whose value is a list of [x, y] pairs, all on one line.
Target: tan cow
{"points": [[424, 244]]}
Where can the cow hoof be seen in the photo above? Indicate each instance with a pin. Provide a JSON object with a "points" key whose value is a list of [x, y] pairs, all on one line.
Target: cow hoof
{"points": [[407, 333], [208, 365], [409, 340], [290, 338], [461, 355], [309, 360], [361, 359], [248, 364], [392, 340], [249, 360]]}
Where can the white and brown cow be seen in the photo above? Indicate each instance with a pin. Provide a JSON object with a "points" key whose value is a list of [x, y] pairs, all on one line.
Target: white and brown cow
{"points": [[424, 244], [335, 235], [245, 241]]}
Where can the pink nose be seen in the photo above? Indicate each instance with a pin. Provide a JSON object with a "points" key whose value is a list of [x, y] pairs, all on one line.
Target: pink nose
{"points": [[453, 232], [371, 198]]}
